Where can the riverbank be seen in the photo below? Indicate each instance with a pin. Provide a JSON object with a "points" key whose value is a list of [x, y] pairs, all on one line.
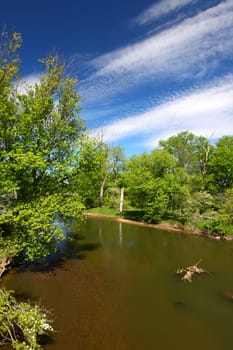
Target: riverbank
{"points": [[161, 226]]}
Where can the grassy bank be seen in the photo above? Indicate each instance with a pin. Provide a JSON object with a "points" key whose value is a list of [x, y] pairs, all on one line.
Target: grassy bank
{"points": [[129, 214], [134, 216], [104, 211]]}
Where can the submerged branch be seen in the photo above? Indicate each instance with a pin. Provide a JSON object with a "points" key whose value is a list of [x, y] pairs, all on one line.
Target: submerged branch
{"points": [[187, 273]]}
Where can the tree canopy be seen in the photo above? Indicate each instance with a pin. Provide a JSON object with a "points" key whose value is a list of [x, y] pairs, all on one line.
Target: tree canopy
{"points": [[39, 132]]}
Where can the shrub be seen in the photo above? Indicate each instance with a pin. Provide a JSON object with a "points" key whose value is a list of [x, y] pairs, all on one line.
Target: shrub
{"points": [[21, 323]]}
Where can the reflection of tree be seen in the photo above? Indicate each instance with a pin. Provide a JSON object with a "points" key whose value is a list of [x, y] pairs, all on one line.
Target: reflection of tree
{"points": [[120, 234], [100, 235]]}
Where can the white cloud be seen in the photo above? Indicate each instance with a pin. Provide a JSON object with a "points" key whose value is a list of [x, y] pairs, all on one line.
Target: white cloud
{"points": [[159, 9], [197, 47], [192, 48], [207, 112], [28, 81]]}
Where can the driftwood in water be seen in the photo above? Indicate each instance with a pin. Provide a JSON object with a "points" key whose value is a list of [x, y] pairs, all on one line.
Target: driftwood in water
{"points": [[188, 272], [4, 263]]}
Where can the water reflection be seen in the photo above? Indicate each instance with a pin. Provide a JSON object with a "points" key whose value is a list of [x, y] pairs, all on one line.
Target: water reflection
{"points": [[120, 234], [106, 295]]}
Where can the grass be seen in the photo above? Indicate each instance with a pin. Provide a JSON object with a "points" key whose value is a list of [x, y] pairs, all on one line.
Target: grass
{"points": [[104, 211], [131, 214]]}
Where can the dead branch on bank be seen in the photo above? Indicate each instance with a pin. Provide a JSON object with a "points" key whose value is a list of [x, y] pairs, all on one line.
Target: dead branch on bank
{"points": [[4, 264], [187, 273]]}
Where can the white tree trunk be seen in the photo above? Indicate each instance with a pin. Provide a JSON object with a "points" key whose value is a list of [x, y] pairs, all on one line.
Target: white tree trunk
{"points": [[101, 197], [121, 200]]}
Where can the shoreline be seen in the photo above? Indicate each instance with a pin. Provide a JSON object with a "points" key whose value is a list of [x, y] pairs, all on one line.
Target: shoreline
{"points": [[163, 226]]}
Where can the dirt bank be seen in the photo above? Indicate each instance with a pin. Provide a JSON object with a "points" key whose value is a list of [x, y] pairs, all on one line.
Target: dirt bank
{"points": [[163, 226]]}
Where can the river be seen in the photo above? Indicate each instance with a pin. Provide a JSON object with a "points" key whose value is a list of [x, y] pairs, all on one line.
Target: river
{"points": [[115, 288]]}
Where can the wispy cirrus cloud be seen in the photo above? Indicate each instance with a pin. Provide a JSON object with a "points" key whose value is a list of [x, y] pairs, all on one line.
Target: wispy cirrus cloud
{"points": [[159, 9], [194, 54], [207, 112], [190, 49]]}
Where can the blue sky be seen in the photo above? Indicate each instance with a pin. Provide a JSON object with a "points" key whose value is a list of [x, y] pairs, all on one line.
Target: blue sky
{"points": [[147, 69]]}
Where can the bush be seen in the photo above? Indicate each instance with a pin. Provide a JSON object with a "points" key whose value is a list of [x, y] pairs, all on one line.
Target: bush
{"points": [[21, 323]]}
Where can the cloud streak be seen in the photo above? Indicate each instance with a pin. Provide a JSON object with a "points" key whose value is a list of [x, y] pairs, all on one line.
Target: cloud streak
{"points": [[190, 49], [160, 9], [206, 112], [132, 89]]}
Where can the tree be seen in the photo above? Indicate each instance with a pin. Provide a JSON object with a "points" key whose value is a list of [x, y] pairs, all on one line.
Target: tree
{"points": [[220, 167], [191, 152], [221, 219], [90, 169], [116, 162], [155, 185], [113, 182], [39, 130], [21, 323], [9, 61]]}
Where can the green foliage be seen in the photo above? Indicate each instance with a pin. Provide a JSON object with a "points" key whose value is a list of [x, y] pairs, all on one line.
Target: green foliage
{"points": [[155, 184], [178, 182], [9, 61], [39, 133], [116, 164], [89, 170], [38, 223], [112, 197], [221, 220], [191, 152], [21, 323], [220, 167]]}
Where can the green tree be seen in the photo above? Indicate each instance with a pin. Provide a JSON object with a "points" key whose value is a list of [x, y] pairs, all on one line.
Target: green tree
{"points": [[116, 162], [90, 169], [114, 185], [191, 152], [220, 167], [39, 130], [155, 185], [220, 221], [21, 323]]}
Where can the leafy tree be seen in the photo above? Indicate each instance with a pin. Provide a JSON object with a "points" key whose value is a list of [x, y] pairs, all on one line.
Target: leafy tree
{"points": [[191, 152], [110, 162], [221, 220], [9, 61], [155, 185], [220, 167], [21, 323], [116, 162], [114, 184], [39, 130], [90, 169]]}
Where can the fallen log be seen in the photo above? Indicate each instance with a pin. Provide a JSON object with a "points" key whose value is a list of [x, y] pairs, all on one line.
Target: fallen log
{"points": [[187, 273]]}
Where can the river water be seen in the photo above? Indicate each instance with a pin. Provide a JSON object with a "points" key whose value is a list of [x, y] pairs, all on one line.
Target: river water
{"points": [[115, 288]]}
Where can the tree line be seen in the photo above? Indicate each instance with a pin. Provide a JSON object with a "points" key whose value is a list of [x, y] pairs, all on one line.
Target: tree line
{"points": [[187, 179]]}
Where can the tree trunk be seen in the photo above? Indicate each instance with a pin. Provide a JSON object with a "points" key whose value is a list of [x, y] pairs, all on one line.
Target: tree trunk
{"points": [[121, 199], [101, 197]]}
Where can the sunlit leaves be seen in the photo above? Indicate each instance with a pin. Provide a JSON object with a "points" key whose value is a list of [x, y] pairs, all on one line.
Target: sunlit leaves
{"points": [[21, 323], [39, 132]]}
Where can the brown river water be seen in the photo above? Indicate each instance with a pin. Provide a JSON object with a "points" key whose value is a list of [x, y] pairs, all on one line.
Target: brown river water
{"points": [[114, 287]]}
